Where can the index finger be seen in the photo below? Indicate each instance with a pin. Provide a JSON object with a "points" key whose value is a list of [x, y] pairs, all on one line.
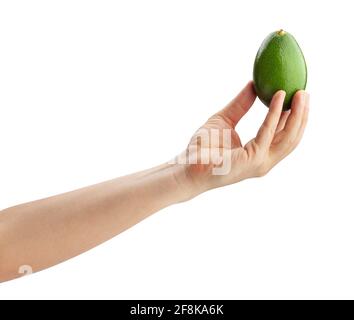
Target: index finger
{"points": [[237, 108]]}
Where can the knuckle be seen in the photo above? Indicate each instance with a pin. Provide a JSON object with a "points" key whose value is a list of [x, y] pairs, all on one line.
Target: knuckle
{"points": [[255, 150], [268, 129], [262, 170], [265, 126], [258, 161], [271, 129], [260, 173], [294, 145], [290, 140]]}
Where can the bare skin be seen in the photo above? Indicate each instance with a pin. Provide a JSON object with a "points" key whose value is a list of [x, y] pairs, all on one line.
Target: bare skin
{"points": [[46, 232]]}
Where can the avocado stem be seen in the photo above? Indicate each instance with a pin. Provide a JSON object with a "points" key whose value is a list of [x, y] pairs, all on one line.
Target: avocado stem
{"points": [[281, 32]]}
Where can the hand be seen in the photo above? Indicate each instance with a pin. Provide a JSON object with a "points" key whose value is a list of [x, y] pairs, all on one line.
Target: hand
{"points": [[215, 155]]}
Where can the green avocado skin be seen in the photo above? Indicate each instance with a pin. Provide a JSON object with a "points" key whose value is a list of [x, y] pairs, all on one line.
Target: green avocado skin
{"points": [[279, 65]]}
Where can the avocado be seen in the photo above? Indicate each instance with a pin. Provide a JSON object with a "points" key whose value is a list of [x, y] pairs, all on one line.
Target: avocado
{"points": [[279, 65]]}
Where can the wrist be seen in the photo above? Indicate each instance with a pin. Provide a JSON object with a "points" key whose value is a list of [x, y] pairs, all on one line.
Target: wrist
{"points": [[183, 186], [189, 180]]}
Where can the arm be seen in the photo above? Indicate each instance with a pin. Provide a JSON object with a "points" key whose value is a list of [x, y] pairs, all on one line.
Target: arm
{"points": [[46, 232]]}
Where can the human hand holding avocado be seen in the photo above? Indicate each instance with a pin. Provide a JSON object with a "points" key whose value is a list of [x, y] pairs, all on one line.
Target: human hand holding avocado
{"points": [[46, 232], [279, 134], [279, 78]]}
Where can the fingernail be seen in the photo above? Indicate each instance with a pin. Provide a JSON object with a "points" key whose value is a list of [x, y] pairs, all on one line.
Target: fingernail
{"points": [[282, 94]]}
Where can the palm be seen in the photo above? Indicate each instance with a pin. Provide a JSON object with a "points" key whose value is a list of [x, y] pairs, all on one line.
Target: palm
{"points": [[220, 123]]}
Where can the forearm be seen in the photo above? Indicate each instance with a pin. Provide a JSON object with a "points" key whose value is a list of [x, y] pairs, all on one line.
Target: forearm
{"points": [[45, 232]]}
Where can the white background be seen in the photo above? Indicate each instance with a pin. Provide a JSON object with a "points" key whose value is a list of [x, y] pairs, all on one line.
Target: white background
{"points": [[91, 90]]}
